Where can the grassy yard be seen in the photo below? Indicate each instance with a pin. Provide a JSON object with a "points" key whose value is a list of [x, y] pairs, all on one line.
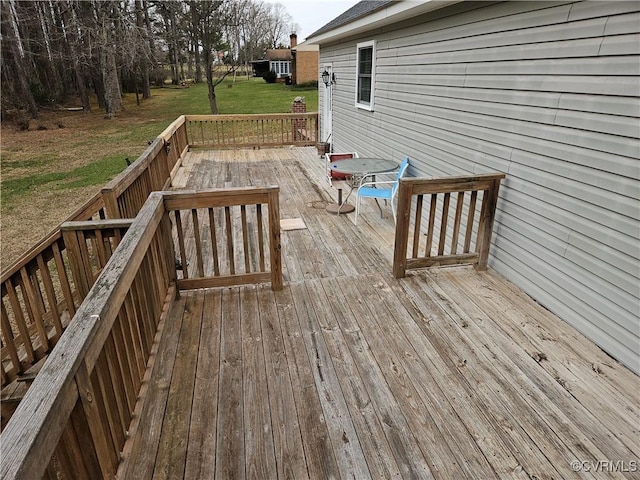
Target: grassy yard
{"points": [[67, 156]]}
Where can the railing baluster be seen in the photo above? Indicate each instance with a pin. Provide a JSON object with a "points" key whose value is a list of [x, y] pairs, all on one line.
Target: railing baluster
{"points": [[8, 338], [107, 386], [470, 218], [183, 253], [214, 242], [245, 238], [51, 295], [32, 306], [130, 378], [98, 429], [25, 337], [443, 223], [196, 236], [230, 250], [77, 460], [130, 319], [64, 279], [416, 228], [456, 223], [115, 386], [432, 220], [260, 237]]}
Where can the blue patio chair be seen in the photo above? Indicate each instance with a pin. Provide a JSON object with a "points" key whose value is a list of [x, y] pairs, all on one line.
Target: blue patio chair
{"points": [[388, 192]]}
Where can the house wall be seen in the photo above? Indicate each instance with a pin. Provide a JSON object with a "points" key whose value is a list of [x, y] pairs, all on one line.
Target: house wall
{"points": [[306, 66], [547, 93]]}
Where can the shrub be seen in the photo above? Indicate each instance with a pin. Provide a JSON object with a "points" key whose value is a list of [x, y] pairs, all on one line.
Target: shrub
{"points": [[270, 76], [310, 85]]}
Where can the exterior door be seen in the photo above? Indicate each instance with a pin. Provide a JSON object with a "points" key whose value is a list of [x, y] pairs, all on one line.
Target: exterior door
{"points": [[327, 106]]}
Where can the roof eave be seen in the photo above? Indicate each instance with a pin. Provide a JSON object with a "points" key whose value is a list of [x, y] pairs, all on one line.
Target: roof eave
{"points": [[395, 12]]}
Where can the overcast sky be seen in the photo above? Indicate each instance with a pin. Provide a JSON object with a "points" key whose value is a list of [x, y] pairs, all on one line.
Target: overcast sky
{"points": [[310, 15]]}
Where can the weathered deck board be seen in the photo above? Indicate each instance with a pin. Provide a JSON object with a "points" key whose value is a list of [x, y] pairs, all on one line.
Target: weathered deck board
{"points": [[348, 373]]}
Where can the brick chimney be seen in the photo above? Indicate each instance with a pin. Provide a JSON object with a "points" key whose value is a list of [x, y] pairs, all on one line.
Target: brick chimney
{"points": [[293, 38]]}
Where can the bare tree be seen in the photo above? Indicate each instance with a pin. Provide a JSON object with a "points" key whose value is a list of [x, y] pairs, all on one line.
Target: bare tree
{"points": [[278, 25], [56, 49], [208, 18], [13, 59]]}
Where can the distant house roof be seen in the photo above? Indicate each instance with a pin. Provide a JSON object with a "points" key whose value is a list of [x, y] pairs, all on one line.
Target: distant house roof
{"points": [[279, 54], [370, 14]]}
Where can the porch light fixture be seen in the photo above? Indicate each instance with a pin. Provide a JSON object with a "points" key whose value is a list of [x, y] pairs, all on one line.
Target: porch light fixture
{"points": [[328, 78]]}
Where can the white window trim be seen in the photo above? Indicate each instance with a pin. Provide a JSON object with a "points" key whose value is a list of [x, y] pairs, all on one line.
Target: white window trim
{"points": [[359, 46], [281, 67]]}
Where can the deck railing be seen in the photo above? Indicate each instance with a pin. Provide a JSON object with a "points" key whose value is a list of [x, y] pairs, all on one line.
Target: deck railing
{"points": [[467, 233], [81, 405], [39, 296], [39, 299], [236, 233], [246, 131]]}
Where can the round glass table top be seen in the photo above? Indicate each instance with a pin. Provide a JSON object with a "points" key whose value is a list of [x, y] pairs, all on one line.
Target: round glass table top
{"points": [[361, 166]]}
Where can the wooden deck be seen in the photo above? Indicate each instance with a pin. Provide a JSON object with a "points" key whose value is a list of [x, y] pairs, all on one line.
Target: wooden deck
{"points": [[350, 373]]}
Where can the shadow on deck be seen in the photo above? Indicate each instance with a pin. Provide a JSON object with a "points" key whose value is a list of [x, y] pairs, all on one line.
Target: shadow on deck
{"points": [[349, 373]]}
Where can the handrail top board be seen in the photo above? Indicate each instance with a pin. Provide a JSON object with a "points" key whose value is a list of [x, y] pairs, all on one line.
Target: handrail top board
{"points": [[249, 116]]}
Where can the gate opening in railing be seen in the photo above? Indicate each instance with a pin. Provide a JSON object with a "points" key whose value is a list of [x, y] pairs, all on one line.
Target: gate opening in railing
{"points": [[236, 236], [448, 221]]}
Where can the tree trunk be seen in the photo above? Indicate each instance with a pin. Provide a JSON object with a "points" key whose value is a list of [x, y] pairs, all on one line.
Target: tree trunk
{"points": [[112, 93], [144, 60], [109, 69], [10, 45], [208, 68]]}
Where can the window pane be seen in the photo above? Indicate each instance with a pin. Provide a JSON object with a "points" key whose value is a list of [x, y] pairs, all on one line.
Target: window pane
{"points": [[366, 60], [364, 90]]}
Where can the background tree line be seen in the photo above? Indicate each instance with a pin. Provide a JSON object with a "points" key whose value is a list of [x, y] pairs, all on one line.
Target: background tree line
{"points": [[54, 51]]}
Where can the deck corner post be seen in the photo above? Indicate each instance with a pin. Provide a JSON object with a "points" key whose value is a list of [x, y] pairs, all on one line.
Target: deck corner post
{"points": [[487, 217], [168, 250], [275, 243], [110, 201], [402, 229], [81, 277]]}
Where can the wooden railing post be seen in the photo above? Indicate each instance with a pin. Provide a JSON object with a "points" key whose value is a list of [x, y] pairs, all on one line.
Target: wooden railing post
{"points": [[275, 244], [487, 217], [110, 200], [77, 262], [168, 251], [402, 230]]}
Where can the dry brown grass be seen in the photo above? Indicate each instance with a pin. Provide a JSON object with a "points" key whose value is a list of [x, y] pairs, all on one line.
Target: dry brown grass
{"points": [[61, 141]]}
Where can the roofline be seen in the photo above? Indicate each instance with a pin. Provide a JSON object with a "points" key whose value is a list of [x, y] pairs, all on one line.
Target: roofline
{"points": [[394, 12], [305, 47]]}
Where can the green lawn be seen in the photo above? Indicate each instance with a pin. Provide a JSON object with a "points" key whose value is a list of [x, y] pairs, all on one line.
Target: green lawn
{"points": [[65, 157], [106, 143]]}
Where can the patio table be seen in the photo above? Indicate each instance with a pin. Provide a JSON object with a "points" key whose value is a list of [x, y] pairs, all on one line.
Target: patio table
{"points": [[357, 169]]}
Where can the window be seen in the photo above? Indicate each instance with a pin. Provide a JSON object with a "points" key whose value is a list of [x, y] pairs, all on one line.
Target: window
{"points": [[281, 67], [365, 69]]}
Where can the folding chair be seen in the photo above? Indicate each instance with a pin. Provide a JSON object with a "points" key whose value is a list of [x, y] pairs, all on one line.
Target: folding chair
{"points": [[388, 192]]}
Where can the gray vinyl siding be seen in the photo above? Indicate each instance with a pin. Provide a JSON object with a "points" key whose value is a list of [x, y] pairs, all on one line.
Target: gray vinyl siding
{"points": [[548, 93]]}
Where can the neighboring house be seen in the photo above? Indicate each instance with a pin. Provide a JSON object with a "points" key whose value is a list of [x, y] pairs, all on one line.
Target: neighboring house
{"points": [[547, 92], [277, 59], [300, 62], [304, 65]]}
